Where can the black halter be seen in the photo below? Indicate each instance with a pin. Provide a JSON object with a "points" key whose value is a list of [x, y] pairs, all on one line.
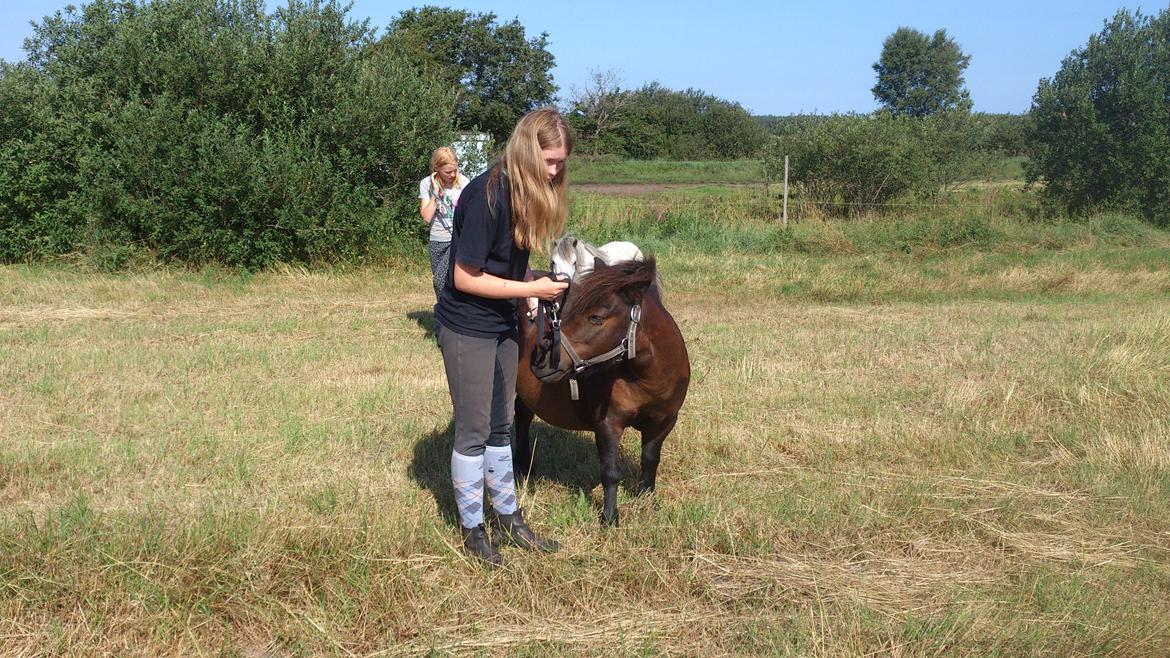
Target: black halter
{"points": [[546, 353]]}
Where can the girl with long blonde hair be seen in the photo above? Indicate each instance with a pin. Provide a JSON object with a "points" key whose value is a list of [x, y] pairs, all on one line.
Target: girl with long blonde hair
{"points": [[438, 194], [517, 206]]}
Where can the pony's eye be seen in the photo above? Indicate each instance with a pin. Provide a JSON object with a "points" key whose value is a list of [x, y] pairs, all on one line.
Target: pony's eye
{"points": [[596, 319]]}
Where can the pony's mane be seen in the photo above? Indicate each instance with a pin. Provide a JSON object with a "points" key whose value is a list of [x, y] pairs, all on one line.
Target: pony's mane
{"points": [[594, 287]]}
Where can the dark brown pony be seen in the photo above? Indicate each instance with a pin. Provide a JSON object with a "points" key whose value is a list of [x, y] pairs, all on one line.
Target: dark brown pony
{"points": [[645, 392]]}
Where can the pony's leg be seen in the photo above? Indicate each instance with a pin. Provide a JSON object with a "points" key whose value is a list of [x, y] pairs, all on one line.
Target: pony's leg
{"points": [[521, 446], [609, 439], [652, 440]]}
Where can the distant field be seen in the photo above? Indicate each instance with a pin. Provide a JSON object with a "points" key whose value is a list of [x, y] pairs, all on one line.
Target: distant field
{"points": [[735, 172], [903, 438], [1010, 169], [610, 171]]}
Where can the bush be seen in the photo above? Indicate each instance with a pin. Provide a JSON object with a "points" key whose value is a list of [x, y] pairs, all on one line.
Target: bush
{"points": [[208, 131], [1100, 133], [853, 163], [39, 208], [850, 161], [657, 123]]}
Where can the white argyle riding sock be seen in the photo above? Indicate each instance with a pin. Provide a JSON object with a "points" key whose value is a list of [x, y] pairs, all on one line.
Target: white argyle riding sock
{"points": [[498, 476], [467, 479]]}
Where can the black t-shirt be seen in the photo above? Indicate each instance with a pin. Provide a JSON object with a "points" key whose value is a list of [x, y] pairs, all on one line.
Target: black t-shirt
{"points": [[482, 240]]}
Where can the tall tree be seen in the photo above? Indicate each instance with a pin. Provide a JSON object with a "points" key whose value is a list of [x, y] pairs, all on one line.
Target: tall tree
{"points": [[596, 107], [499, 72], [1100, 131], [920, 75]]}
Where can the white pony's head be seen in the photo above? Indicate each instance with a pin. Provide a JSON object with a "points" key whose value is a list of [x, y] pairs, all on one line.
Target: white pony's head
{"points": [[564, 256], [574, 257]]}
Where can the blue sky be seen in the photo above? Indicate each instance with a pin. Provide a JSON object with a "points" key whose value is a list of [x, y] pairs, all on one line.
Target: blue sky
{"points": [[772, 57]]}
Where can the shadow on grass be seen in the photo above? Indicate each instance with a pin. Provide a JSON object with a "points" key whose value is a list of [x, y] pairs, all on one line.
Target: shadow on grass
{"points": [[569, 458], [425, 320], [564, 457], [431, 468]]}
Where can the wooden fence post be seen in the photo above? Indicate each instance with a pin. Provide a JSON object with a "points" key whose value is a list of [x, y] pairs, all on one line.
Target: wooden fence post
{"points": [[784, 214]]}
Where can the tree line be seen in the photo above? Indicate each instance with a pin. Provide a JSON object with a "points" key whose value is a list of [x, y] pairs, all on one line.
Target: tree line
{"points": [[1097, 135], [214, 131], [656, 123]]}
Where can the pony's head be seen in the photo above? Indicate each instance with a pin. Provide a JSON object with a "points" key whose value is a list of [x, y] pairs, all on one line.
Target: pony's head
{"points": [[597, 315], [575, 257], [564, 256]]}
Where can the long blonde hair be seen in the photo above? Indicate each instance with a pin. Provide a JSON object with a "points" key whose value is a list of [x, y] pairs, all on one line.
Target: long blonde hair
{"points": [[444, 155], [539, 206]]}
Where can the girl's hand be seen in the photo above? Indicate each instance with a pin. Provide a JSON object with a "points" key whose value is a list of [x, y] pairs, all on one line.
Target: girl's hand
{"points": [[547, 289]]}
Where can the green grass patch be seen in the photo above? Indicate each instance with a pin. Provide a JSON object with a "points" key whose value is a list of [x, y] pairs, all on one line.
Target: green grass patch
{"points": [[1009, 168], [607, 170], [615, 171]]}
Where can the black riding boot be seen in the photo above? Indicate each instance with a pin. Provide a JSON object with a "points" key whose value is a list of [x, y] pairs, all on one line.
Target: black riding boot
{"points": [[475, 542], [512, 528]]}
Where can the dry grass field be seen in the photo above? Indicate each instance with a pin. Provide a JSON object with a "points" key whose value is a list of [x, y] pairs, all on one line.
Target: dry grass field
{"points": [[964, 454]]}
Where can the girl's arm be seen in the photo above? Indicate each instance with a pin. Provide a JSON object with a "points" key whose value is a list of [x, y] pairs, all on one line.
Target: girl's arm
{"points": [[427, 206], [489, 286], [530, 302]]}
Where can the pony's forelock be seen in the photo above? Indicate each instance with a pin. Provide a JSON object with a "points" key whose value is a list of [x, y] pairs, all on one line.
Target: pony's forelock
{"points": [[606, 280]]}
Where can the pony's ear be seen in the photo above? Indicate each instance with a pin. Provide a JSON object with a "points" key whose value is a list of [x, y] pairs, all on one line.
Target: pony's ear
{"points": [[600, 264], [633, 293], [644, 273]]}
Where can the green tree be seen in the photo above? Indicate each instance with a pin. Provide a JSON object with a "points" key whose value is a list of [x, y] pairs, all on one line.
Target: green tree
{"points": [[499, 72], [1100, 132], [920, 75], [655, 122], [595, 108], [212, 131]]}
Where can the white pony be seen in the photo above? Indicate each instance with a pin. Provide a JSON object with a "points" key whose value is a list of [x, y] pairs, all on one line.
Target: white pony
{"points": [[575, 258]]}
